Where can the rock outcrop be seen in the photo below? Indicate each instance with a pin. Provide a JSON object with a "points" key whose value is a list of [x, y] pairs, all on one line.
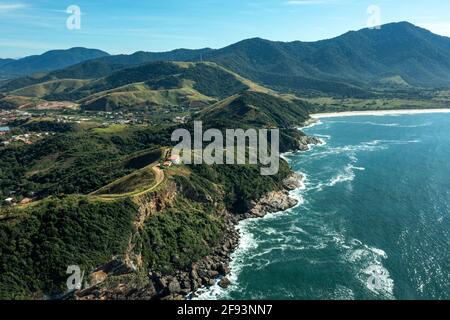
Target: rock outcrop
{"points": [[305, 141], [293, 182], [204, 273], [272, 202]]}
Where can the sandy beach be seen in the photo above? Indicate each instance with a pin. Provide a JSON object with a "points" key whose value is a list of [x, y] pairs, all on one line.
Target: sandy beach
{"points": [[376, 113]]}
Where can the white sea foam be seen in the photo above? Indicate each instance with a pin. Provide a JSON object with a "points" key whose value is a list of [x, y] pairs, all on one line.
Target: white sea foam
{"points": [[371, 123], [364, 260], [313, 124], [377, 113], [350, 176], [297, 229], [247, 243], [342, 293], [368, 266], [368, 123], [346, 175], [325, 136]]}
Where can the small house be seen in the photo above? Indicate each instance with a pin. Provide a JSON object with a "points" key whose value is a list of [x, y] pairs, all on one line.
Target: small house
{"points": [[9, 201], [176, 160]]}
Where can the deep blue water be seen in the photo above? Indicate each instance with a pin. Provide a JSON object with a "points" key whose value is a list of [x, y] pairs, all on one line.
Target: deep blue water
{"points": [[374, 222]]}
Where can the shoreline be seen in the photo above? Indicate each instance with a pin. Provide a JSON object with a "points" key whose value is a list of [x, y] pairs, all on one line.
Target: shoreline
{"points": [[267, 205], [272, 203], [377, 113], [213, 270]]}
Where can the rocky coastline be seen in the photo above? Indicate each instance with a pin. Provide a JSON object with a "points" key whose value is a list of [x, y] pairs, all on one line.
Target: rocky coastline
{"points": [[204, 273], [214, 268]]}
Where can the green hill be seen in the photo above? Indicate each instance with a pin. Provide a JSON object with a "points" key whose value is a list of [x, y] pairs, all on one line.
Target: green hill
{"points": [[256, 110], [253, 109], [144, 86], [54, 87]]}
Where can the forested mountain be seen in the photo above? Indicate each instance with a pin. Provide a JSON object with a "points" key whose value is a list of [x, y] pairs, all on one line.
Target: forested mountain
{"points": [[349, 64], [152, 84], [51, 60]]}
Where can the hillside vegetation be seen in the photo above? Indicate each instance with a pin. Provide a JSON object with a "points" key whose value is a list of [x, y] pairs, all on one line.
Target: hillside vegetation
{"points": [[48, 61], [143, 87], [355, 64], [96, 198]]}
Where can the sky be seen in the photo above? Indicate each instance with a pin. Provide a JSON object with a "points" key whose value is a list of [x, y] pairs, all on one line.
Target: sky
{"points": [[126, 26]]}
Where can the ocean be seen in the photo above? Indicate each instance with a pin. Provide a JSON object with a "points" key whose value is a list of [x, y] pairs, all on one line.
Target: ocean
{"points": [[373, 220]]}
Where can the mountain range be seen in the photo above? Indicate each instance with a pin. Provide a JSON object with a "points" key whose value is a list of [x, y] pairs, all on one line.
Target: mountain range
{"points": [[397, 56], [49, 61]]}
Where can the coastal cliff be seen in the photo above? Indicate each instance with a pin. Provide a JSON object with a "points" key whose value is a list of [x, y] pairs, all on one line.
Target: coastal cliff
{"points": [[134, 280], [117, 279]]}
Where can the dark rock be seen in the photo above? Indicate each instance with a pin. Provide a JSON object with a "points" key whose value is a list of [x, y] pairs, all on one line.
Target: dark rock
{"points": [[194, 274], [174, 286], [224, 283], [223, 269], [186, 284], [161, 282]]}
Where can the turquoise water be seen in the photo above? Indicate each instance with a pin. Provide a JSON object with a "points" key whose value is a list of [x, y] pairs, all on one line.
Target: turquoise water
{"points": [[374, 221]]}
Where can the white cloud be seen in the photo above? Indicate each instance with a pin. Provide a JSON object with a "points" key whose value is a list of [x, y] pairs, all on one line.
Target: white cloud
{"points": [[438, 27], [7, 7]]}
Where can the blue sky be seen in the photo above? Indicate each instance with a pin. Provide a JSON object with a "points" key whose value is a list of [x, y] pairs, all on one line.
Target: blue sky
{"points": [[118, 26]]}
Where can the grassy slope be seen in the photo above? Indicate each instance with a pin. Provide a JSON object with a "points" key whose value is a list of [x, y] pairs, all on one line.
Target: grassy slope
{"points": [[42, 90], [161, 84], [139, 95], [153, 84], [14, 102]]}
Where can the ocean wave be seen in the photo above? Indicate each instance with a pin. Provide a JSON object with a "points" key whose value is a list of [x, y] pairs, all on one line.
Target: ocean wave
{"points": [[247, 243], [342, 293], [367, 263], [346, 175], [349, 149], [368, 123], [325, 136], [349, 176], [296, 229], [313, 124], [352, 150], [397, 142], [397, 125]]}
